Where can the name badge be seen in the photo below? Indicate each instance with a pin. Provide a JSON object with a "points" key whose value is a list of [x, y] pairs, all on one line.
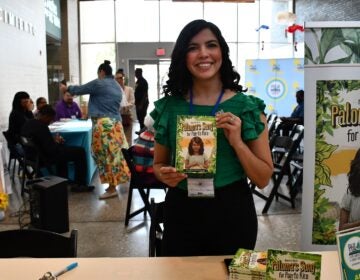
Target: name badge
{"points": [[200, 187]]}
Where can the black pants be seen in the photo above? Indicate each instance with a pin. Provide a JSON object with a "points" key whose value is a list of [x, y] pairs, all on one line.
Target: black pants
{"points": [[209, 226], [141, 114], [74, 154]]}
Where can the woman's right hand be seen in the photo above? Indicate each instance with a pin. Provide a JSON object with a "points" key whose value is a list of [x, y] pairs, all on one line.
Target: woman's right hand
{"points": [[169, 176]]}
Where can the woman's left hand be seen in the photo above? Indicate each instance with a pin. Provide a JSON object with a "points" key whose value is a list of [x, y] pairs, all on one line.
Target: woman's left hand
{"points": [[231, 125]]}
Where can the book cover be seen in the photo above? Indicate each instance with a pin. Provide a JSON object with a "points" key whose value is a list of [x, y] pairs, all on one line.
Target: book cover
{"points": [[348, 243], [196, 145], [292, 265]]}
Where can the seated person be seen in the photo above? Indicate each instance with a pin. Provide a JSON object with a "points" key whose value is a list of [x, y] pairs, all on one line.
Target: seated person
{"points": [[54, 151], [67, 108], [40, 102], [19, 114], [296, 117]]}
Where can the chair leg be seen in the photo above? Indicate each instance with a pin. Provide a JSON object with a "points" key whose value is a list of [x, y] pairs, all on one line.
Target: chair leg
{"points": [[273, 192], [128, 206]]}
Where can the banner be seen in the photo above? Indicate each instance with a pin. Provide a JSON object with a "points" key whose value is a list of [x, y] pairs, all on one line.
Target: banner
{"points": [[332, 119], [275, 81]]}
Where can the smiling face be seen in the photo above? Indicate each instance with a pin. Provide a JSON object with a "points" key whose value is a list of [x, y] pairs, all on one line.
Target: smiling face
{"points": [[203, 58]]}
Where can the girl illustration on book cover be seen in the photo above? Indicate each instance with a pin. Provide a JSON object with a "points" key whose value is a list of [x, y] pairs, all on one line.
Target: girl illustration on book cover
{"points": [[196, 157]]}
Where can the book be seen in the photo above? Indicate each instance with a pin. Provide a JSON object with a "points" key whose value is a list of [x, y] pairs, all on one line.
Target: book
{"points": [[283, 264], [196, 145], [248, 264], [348, 243]]}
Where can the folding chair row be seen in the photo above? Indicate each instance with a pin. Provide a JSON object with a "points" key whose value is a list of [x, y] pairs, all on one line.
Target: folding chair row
{"points": [[283, 148]]}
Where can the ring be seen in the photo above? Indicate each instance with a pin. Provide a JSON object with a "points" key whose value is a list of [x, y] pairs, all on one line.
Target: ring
{"points": [[232, 119]]}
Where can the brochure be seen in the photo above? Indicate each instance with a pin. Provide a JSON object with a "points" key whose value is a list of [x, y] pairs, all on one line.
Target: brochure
{"points": [[348, 242]]}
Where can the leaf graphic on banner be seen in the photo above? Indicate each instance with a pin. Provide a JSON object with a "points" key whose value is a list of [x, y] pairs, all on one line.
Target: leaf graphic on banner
{"points": [[330, 38], [324, 150]]}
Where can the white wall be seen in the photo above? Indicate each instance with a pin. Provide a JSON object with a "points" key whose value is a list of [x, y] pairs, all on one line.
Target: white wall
{"points": [[22, 55]]}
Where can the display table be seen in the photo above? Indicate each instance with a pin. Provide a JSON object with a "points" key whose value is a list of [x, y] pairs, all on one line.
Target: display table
{"points": [[77, 133], [138, 268]]}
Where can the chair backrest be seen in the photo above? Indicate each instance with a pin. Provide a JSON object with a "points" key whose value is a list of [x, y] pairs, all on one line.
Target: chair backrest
{"points": [[271, 123], [139, 178], [284, 147], [129, 160], [36, 243], [156, 230]]}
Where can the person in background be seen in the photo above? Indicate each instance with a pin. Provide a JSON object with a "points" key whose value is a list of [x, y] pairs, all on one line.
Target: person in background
{"points": [[40, 102], [19, 114], [31, 105], [67, 108], [202, 81], [128, 98], [296, 117], [350, 204], [53, 150], [107, 132], [141, 97]]}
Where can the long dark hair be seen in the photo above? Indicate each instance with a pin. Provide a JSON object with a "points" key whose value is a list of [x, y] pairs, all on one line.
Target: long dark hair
{"points": [[354, 175], [16, 104], [180, 79], [198, 141]]}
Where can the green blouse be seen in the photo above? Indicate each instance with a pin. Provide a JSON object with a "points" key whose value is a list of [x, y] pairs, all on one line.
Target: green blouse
{"points": [[228, 167]]}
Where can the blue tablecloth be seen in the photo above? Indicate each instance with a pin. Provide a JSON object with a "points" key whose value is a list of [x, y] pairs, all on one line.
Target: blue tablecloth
{"points": [[77, 133]]}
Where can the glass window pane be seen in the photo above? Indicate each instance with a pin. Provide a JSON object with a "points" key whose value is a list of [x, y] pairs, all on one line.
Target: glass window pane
{"points": [[137, 21], [97, 21], [276, 51], [92, 55], [246, 51], [215, 13], [268, 16], [171, 23], [248, 22]]}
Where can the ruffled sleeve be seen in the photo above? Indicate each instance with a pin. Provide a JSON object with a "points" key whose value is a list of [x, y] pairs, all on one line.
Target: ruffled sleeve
{"points": [[252, 126], [161, 120]]}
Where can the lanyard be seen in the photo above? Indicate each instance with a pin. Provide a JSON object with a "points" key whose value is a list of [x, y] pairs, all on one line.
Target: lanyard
{"points": [[214, 109]]}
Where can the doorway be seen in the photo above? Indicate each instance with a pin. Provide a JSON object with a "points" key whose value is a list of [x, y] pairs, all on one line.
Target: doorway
{"points": [[154, 72]]}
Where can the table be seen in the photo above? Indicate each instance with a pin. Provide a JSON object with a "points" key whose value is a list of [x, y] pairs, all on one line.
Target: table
{"points": [[77, 133], [189, 268]]}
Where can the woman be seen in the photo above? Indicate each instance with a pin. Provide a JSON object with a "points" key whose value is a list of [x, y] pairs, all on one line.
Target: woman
{"points": [[20, 113], [202, 81], [108, 135], [129, 97]]}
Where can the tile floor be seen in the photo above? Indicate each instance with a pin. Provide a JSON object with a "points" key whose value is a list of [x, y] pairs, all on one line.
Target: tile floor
{"points": [[102, 232]]}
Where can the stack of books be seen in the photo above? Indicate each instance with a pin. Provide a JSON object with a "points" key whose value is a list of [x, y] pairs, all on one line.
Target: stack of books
{"points": [[274, 264], [248, 265]]}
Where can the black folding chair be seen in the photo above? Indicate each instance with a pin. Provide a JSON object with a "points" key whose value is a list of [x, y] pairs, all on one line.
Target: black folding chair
{"points": [[32, 163], [15, 154], [156, 228], [271, 123], [36, 243], [142, 183], [283, 148]]}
